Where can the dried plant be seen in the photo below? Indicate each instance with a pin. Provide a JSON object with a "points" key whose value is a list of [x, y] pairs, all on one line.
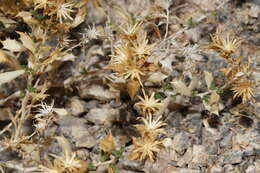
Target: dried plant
{"points": [[243, 88], [145, 147], [41, 4], [66, 162], [45, 18], [107, 143], [236, 69], [148, 144], [141, 48], [50, 167], [122, 54], [126, 64], [238, 72], [10, 61], [91, 33], [38, 36], [225, 44], [129, 31], [148, 105], [63, 10], [44, 116], [151, 127], [130, 60], [65, 41]]}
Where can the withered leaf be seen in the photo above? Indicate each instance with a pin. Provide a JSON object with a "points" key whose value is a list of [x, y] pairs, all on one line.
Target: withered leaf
{"points": [[118, 67], [157, 77], [107, 143], [208, 78], [133, 155], [214, 103], [80, 17], [214, 98], [152, 67], [8, 76], [12, 62], [132, 88], [96, 3], [50, 59], [27, 41], [12, 45], [181, 88]]}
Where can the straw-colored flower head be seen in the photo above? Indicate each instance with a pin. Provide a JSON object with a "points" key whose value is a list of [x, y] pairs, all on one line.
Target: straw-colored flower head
{"points": [[145, 147], [225, 44], [148, 105], [243, 88], [150, 126]]}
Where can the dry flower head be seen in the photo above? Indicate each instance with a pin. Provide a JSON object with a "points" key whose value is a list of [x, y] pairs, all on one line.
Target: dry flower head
{"points": [[63, 10], [237, 73], [44, 116], [66, 162], [128, 65], [129, 30], [145, 147], [130, 59], [225, 44], [151, 127], [41, 4], [236, 67], [243, 88], [148, 105], [141, 48]]}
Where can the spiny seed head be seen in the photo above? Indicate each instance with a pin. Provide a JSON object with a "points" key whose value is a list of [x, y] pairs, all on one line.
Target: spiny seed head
{"points": [[141, 48], [129, 31], [243, 88], [63, 11], [225, 44], [145, 147], [148, 105], [150, 126]]}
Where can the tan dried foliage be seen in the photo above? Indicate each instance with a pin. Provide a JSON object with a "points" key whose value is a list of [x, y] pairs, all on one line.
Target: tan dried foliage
{"points": [[130, 60], [238, 72], [132, 88], [107, 143]]}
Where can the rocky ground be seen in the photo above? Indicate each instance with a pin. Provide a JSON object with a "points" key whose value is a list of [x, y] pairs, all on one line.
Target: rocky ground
{"points": [[202, 134]]}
